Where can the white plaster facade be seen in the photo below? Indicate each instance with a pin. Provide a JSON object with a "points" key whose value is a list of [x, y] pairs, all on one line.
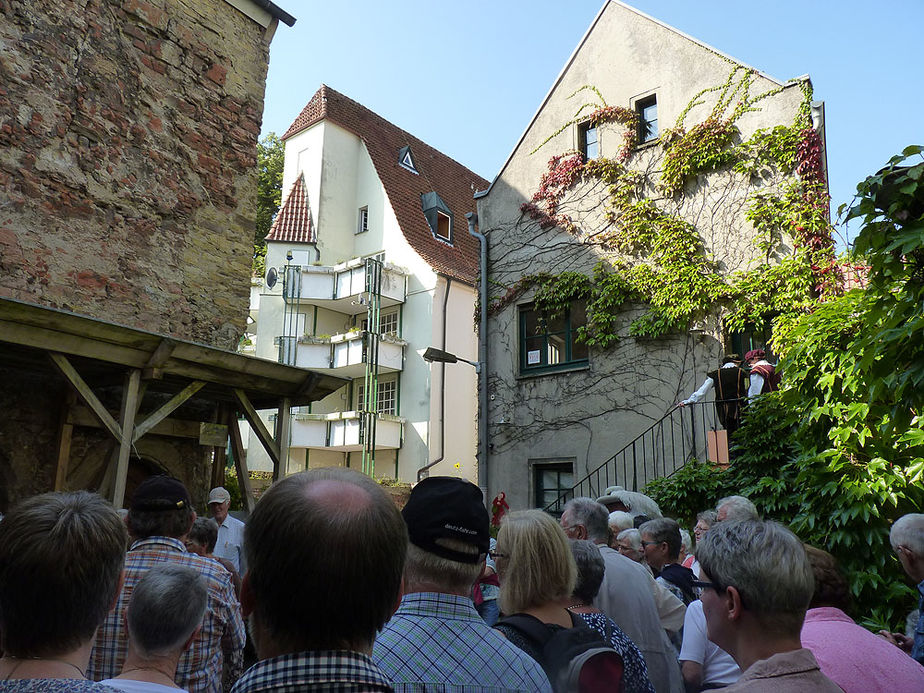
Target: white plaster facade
{"points": [[578, 418], [432, 308]]}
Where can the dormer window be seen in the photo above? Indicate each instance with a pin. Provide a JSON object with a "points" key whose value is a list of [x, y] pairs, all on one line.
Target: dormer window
{"points": [[406, 160], [438, 215]]}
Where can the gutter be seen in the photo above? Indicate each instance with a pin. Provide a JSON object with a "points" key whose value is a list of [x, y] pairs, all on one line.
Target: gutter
{"points": [[482, 357]]}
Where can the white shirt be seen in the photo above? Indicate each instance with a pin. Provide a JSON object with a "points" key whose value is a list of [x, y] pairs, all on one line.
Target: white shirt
{"points": [[230, 543], [707, 385], [718, 665], [757, 380]]}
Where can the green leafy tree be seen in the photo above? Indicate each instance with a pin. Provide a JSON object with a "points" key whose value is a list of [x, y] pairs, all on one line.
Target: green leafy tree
{"points": [[838, 454], [270, 158]]}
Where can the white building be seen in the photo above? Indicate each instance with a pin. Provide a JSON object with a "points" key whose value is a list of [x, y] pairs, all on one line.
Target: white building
{"points": [[372, 225]]}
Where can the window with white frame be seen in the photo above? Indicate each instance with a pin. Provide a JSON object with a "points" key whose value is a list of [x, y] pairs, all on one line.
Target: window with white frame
{"points": [[388, 323], [362, 223], [387, 396]]}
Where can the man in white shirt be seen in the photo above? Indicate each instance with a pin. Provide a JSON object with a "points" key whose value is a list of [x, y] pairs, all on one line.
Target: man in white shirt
{"points": [[230, 544], [729, 381]]}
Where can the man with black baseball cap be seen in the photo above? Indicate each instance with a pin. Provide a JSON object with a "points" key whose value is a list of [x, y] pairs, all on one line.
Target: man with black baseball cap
{"points": [[436, 638], [159, 516]]}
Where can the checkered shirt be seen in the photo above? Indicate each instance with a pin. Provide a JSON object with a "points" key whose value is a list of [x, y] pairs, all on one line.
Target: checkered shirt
{"points": [[439, 642], [220, 642], [323, 670]]}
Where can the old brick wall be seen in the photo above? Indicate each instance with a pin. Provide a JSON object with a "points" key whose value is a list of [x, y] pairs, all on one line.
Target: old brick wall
{"points": [[128, 135]]}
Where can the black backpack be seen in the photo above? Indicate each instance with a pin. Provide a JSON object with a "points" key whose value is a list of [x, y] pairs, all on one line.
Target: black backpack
{"points": [[577, 659]]}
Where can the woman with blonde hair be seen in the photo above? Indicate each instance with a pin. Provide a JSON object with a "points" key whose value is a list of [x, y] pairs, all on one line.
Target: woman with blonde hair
{"points": [[537, 576]]}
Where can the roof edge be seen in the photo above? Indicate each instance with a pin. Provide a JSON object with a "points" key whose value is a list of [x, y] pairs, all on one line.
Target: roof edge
{"points": [[482, 193]]}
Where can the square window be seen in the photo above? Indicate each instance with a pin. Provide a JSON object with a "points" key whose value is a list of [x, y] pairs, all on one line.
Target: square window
{"points": [[362, 224], [647, 111], [588, 144], [551, 480], [388, 323], [387, 397], [551, 344]]}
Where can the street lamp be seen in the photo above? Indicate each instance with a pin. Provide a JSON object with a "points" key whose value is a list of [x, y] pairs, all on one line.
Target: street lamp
{"points": [[434, 355]]}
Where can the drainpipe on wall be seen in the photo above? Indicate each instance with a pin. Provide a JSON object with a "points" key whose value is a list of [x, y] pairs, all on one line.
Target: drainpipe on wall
{"points": [[422, 473], [482, 358]]}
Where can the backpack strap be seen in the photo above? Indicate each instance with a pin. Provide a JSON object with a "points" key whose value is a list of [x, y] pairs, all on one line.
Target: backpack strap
{"points": [[531, 627]]}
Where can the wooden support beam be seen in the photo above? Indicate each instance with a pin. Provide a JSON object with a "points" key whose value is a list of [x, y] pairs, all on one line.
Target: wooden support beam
{"points": [[283, 426], [256, 423], [240, 464], [153, 369], [86, 394], [219, 454], [153, 419], [65, 433], [130, 404]]}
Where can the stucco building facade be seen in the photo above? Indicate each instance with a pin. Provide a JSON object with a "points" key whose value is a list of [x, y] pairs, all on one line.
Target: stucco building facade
{"points": [[605, 208], [363, 198]]}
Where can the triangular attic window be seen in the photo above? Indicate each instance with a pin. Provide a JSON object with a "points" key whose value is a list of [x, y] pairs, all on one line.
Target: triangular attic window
{"points": [[406, 159]]}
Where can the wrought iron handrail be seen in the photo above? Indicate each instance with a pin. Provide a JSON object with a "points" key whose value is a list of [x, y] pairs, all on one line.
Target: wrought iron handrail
{"points": [[660, 450]]}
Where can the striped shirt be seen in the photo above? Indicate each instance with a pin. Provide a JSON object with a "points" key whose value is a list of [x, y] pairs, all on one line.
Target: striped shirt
{"points": [[220, 642], [438, 642], [323, 671]]}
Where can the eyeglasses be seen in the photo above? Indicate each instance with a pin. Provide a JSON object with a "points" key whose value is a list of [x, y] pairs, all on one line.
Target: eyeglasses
{"points": [[651, 543], [495, 555], [700, 584]]}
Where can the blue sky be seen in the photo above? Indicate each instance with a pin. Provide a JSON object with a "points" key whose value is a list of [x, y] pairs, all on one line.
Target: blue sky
{"points": [[467, 76]]}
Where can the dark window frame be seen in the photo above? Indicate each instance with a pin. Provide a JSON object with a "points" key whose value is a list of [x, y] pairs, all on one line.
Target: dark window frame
{"points": [[585, 143], [644, 133], [567, 335], [540, 491]]}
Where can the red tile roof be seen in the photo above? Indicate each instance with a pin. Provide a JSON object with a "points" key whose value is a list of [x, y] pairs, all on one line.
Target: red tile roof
{"points": [[452, 181], [293, 221]]}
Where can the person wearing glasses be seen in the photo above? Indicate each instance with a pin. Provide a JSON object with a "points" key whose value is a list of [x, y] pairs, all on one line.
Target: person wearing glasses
{"points": [[756, 586], [907, 539], [630, 596]]}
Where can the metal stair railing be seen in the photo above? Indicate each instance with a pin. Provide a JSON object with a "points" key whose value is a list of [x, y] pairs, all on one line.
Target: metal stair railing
{"points": [[660, 450]]}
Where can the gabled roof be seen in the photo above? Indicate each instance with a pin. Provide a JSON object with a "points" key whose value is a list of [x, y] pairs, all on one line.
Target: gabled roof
{"points": [[453, 182], [483, 192], [293, 221]]}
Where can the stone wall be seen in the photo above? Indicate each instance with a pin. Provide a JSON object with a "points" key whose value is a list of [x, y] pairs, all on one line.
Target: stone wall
{"points": [[128, 134]]}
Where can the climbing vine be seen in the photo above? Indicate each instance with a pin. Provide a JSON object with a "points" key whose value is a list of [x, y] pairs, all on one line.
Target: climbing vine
{"points": [[655, 256]]}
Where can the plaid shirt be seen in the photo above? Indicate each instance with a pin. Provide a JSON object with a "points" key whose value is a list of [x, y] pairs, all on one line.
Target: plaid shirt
{"points": [[439, 642], [324, 670], [219, 643]]}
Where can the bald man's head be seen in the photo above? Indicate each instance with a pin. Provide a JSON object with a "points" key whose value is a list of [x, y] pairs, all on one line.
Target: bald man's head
{"points": [[325, 550]]}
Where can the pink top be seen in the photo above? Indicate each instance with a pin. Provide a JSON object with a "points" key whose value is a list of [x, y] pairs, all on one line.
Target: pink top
{"points": [[855, 659]]}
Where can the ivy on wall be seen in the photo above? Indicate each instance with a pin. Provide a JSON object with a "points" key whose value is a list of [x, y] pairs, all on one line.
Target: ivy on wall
{"points": [[656, 257]]}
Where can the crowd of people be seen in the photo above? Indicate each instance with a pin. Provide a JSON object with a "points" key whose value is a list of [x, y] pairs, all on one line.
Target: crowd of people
{"points": [[341, 591]]}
